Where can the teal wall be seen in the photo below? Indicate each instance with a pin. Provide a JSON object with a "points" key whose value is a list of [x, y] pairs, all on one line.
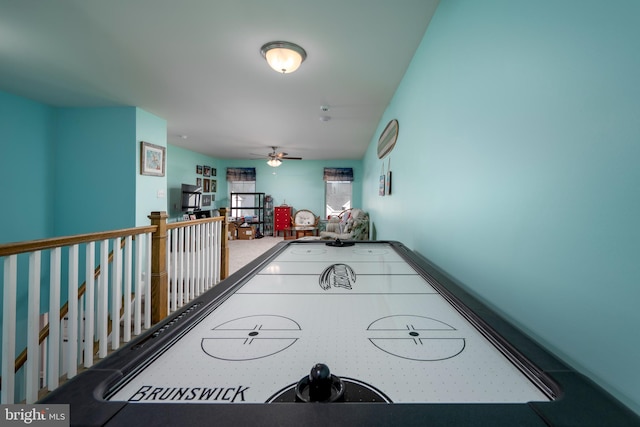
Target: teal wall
{"points": [[66, 171], [150, 192], [181, 169], [26, 178], [26, 172], [298, 183], [95, 175], [517, 169]]}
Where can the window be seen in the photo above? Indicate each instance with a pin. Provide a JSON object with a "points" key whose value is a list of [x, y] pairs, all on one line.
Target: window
{"points": [[337, 197], [241, 180], [337, 192], [240, 201]]}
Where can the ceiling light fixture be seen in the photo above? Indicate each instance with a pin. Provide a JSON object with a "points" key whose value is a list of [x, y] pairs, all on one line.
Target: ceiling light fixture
{"points": [[274, 163], [284, 57]]}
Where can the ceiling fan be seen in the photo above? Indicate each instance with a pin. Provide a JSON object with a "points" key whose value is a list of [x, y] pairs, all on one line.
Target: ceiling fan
{"points": [[275, 158]]}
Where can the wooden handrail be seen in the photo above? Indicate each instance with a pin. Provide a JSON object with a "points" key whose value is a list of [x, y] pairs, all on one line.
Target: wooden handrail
{"points": [[36, 245], [172, 225]]}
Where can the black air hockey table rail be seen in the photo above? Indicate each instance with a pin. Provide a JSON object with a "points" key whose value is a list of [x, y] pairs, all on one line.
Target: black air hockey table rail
{"points": [[362, 333]]}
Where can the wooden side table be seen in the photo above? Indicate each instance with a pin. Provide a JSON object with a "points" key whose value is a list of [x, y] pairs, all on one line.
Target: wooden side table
{"points": [[298, 232]]}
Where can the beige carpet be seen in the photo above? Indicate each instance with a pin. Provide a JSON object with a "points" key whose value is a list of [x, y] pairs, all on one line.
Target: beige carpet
{"points": [[242, 252]]}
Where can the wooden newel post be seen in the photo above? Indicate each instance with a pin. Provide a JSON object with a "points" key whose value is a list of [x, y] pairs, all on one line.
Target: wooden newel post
{"points": [[224, 250], [159, 277]]}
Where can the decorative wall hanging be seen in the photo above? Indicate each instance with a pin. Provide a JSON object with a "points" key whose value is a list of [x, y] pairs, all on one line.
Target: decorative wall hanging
{"points": [[152, 159], [381, 186], [388, 138], [388, 181]]}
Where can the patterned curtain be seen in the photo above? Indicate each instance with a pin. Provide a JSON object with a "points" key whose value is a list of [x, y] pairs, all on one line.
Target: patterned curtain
{"points": [[241, 174], [338, 174]]}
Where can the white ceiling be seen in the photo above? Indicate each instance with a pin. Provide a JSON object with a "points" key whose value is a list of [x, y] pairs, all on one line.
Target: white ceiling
{"points": [[197, 64]]}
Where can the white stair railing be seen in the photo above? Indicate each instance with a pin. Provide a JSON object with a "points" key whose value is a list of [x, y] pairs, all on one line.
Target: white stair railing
{"points": [[193, 255], [110, 307]]}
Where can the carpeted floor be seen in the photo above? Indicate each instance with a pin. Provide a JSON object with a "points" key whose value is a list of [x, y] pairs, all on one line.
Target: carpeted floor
{"points": [[242, 252]]}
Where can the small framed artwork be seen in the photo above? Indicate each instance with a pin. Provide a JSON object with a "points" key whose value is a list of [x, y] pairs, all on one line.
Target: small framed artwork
{"points": [[199, 169], [382, 184], [213, 197], [199, 182], [214, 172], [191, 216], [206, 200], [214, 185], [388, 182], [152, 159], [206, 171], [205, 187]]}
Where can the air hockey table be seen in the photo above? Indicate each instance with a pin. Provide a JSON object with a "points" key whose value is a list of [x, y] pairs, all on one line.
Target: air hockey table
{"points": [[323, 333]]}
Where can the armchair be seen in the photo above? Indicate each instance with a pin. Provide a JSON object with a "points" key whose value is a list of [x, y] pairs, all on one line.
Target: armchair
{"points": [[351, 224], [304, 218], [303, 223]]}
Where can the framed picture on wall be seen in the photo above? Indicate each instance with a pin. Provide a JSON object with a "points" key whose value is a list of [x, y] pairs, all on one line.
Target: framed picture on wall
{"points": [[199, 169], [214, 172], [206, 171], [152, 159], [205, 187], [206, 200], [214, 185], [199, 182]]}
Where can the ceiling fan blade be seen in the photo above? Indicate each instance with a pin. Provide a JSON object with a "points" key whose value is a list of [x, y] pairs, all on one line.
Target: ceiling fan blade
{"points": [[291, 158]]}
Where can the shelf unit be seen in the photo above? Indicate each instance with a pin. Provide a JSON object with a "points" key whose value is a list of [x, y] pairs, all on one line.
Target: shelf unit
{"points": [[268, 215], [249, 204]]}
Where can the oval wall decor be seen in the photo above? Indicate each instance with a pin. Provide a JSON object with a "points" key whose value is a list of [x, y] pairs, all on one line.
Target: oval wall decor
{"points": [[388, 138]]}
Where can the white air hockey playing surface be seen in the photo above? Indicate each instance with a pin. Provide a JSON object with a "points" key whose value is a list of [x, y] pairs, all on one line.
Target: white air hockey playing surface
{"points": [[362, 310]]}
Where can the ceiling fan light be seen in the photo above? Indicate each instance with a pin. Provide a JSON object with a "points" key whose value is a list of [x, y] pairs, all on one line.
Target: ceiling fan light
{"points": [[283, 57], [274, 163]]}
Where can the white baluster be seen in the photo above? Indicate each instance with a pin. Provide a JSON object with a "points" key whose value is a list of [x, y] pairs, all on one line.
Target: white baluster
{"points": [[32, 366], [173, 265], [127, 289], [89, 304], [9, 329], [54, 320], [72, 314], [198, 260], [147, 293], [137, 306], [181, 277], [103, 299], [116, 293]]}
